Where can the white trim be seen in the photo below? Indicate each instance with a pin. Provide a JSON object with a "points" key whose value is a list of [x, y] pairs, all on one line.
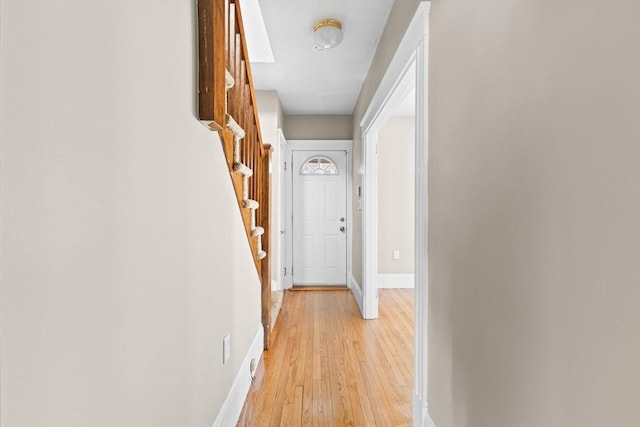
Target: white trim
{"points": [[412, 52], [370, 226], [396, 281], [284, 226], [349, 217], [317, 145], [356, 290], [416, 33], [275, 286], [232, 407], [422, 226], [428, 421]]}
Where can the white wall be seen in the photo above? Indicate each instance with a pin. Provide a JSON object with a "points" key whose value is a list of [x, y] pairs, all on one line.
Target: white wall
{"points": [[396, 188], [124, 261], [270, 114], [534, 202], [271, 119], [399, 18]]}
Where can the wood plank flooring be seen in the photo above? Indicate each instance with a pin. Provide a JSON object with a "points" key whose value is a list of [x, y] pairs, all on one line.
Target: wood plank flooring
{"points": [[328, 367]]}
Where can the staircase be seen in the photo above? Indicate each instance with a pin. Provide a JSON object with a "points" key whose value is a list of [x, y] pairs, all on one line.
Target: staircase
{"points": [[227, 105]]}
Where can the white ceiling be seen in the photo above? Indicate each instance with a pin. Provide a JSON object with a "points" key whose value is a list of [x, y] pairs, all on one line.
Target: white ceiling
{"points": [[319, 82]]}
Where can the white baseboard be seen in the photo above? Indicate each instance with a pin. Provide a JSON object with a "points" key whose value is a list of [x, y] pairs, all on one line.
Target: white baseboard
{"points": [[421, 417], [395, 281], [232, 406], [428, 422], [356, 290]]}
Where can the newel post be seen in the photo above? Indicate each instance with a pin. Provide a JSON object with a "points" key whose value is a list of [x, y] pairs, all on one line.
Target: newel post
{"points": [[265, 217], [211, 63]]}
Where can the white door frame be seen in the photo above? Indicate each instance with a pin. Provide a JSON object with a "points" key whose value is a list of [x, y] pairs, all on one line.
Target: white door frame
{"points": [[284, 227], [412, 52], [316, 145]]}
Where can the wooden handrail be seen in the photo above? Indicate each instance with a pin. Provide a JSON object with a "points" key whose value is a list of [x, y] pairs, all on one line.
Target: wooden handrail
{"points": [[227, 104]]}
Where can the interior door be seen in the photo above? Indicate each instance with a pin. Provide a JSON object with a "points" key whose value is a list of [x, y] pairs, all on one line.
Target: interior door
{"points": [[319, 218]]}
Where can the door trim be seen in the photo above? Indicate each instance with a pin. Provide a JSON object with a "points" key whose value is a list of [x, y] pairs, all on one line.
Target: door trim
{"points": [[318, 145], [413, 49], [283, 224]]}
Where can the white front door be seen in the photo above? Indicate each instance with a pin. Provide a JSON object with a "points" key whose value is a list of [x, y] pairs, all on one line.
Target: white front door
{"points": [[319, 217]]}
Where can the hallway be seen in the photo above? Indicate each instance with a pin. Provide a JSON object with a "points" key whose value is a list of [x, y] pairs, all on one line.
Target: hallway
{"points": [[328, 367]]}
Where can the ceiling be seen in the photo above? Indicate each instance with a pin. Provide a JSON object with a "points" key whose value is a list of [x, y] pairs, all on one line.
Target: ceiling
{"points": [[318, 82]]}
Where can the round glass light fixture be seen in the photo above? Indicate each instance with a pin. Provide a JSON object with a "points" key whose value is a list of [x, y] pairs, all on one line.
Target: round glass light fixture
{"points": [[327, 34]]}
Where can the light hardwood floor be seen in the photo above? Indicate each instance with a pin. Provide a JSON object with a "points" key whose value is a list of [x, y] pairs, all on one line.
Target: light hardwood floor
{"points": [[328, 367]]}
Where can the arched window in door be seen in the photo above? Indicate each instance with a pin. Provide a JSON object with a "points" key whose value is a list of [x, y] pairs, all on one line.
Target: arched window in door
{"points": [[319, 165]]}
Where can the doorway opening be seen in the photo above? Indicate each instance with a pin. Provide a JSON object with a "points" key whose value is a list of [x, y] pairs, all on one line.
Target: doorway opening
{"points": [[408, 69], [395, 192]]}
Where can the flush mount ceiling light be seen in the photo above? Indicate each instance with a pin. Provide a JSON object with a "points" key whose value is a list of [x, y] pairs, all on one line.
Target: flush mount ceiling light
{"points": [[327, 34]]}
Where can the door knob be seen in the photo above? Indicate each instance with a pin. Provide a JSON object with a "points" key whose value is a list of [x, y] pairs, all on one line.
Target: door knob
{"points": [[342, 219], [342, 229]]}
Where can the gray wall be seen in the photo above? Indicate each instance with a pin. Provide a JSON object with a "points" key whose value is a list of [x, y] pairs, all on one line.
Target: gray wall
{"points": [[534, 209], [270, 114], [401, 14], [396, 184], [271, 119], [318, 127], [124, 259]]}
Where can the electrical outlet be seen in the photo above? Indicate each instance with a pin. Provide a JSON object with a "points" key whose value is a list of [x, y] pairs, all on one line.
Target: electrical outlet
{"points": [[226, 348], [396, 254]]}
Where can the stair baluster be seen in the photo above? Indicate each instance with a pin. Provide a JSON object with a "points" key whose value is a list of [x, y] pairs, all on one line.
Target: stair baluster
{"points": [[227, 105]]}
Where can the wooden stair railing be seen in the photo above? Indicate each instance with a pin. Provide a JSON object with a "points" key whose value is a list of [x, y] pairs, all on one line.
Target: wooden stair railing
{"points": [[227, 105]]}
